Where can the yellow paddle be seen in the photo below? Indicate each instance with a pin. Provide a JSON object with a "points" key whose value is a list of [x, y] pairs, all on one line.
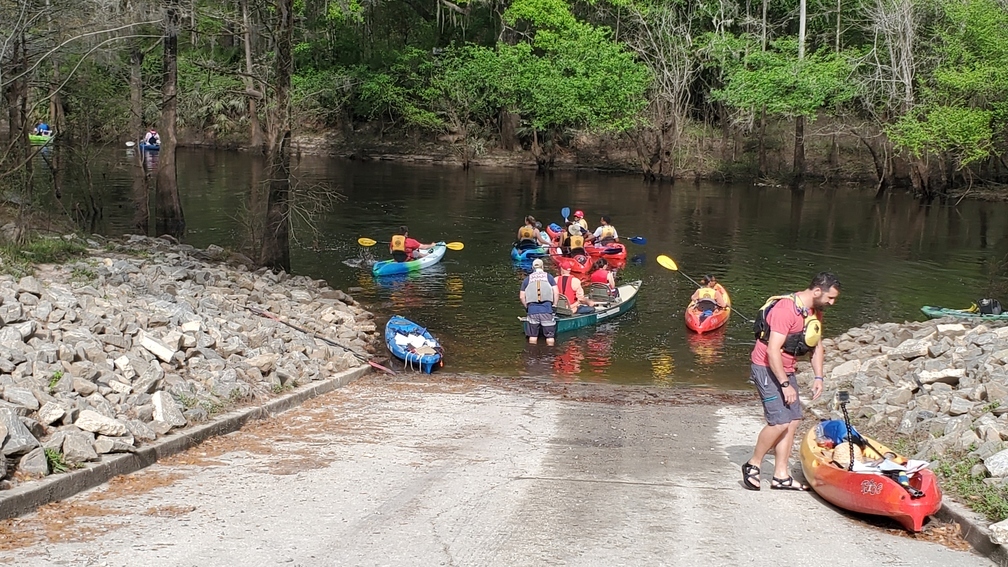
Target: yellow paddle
{"points": [[670, 264], [449, 245]]}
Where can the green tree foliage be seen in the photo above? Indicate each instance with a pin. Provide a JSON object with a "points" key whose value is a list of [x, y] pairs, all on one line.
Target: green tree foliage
{"points": [[568, 73], [786, 86], [963, 107]]}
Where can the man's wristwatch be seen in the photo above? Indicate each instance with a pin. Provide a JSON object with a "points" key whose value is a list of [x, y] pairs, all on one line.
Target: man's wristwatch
{"points": [[785, 384]]}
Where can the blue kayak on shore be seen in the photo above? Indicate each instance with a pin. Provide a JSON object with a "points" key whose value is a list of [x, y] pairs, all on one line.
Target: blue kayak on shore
{"points": [[413, 344]]}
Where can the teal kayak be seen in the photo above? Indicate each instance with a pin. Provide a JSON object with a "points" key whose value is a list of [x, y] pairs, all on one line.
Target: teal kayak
{"points": [[605, 308], [934, 312], [391, 267]]}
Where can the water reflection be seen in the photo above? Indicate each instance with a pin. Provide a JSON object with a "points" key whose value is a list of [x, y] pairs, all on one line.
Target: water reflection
{"points": [[662, 366], [583, 355], [707, 347]]}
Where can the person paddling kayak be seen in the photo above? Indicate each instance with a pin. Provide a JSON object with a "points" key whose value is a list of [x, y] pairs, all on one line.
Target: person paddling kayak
{"points": [[404, 248]]}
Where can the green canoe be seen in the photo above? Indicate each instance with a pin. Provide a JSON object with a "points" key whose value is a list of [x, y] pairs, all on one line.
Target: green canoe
{"points": [[40, 140], [938, 312], [605, 308]]}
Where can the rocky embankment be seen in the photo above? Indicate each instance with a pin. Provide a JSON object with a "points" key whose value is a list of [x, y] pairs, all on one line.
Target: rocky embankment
{"points": [[942, 383], [144, 336]]}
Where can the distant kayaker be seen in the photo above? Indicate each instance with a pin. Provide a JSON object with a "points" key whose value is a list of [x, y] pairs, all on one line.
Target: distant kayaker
{"points": [[602, 273], [711, 291], [538, 293], [529, 236], [571, 288], [580, 220], [42, 129], [786, 327], [152, 138], [605, 233], [404, 248]]}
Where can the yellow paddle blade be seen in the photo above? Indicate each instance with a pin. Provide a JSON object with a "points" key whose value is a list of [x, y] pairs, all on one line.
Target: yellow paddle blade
{"points": [[366, 241], [454, 245], [667, 262]]}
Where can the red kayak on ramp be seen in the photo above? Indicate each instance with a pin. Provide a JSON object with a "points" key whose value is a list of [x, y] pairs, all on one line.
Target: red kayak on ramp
{"points": [[869, 492]]}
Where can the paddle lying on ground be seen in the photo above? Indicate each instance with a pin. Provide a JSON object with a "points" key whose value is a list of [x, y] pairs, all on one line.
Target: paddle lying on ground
{"points": [[669, 263], [369, 242], [357, 355]]}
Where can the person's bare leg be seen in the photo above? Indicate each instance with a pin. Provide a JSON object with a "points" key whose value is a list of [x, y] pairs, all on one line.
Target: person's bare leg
{"points": [[782, 450], [549, 341], [532, 340], [769, 437]]}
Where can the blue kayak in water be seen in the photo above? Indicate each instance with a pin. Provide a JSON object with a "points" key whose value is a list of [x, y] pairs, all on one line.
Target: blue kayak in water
{"points": [[149, 147], [413, 344], [391, 267], [528, 254]]}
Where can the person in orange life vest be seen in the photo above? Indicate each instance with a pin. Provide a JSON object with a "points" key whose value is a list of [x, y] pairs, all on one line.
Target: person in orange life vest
{"points": [[602, 274], [791, 327], [580, 220], [529, 236], [605, 233], [538, 294], [710, 297], [571, 288], [404, 248]]}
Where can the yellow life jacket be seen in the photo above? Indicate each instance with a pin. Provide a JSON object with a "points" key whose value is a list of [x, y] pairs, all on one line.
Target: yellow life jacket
{"points": [[576, 242], [526, 233], [706, 293], [583, 223], [795, 344], [397, 244], [607, 232]]}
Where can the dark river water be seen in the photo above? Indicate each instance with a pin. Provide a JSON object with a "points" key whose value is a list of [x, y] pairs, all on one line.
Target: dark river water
{"points": [[892, 255]]}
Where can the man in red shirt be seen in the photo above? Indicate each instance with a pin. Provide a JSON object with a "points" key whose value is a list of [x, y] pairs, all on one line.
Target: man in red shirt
{"points": [[792, 327], [403, 247]]}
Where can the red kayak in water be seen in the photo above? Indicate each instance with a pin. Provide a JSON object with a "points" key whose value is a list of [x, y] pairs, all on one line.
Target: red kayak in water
{"points": [[704, 316]]}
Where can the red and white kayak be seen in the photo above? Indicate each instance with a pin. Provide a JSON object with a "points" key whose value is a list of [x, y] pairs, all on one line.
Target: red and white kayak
{"points": [[579, 263]]}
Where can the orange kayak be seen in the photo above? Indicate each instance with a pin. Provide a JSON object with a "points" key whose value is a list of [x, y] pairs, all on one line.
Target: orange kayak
{"points": [[869, 492], [705, 316]]}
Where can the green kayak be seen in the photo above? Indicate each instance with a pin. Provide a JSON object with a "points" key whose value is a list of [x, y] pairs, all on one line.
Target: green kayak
{"points": [[39, 139], [605, 308], [938, 312]]}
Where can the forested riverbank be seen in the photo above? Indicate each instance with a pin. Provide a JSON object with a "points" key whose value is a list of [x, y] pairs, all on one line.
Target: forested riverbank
{"points": [[903, 92]]}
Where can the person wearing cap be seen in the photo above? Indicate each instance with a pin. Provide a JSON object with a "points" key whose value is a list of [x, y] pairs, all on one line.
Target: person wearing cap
{"points": [[538, 293], [579, 219], [573, 239]]}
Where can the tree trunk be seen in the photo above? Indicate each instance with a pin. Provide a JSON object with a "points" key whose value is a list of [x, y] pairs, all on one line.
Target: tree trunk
{"points": [[509, 122], [136, 122], [799, 151], [761, 152], [170, 219], [275, 250], [255, 130]]}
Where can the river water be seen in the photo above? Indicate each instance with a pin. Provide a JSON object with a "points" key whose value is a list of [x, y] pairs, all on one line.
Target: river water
{"points": [[892, 255]]}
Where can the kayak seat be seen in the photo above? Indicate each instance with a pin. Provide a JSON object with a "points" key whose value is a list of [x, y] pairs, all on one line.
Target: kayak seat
{"points": [[399, 256], [563, 307], [598, 292]]}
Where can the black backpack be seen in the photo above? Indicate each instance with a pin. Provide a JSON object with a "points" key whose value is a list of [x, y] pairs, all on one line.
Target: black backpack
{"points": [[989, 306]]}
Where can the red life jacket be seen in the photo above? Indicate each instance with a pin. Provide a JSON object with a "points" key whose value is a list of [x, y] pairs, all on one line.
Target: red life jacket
{"points": [[567, 289], [600, 276]]}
